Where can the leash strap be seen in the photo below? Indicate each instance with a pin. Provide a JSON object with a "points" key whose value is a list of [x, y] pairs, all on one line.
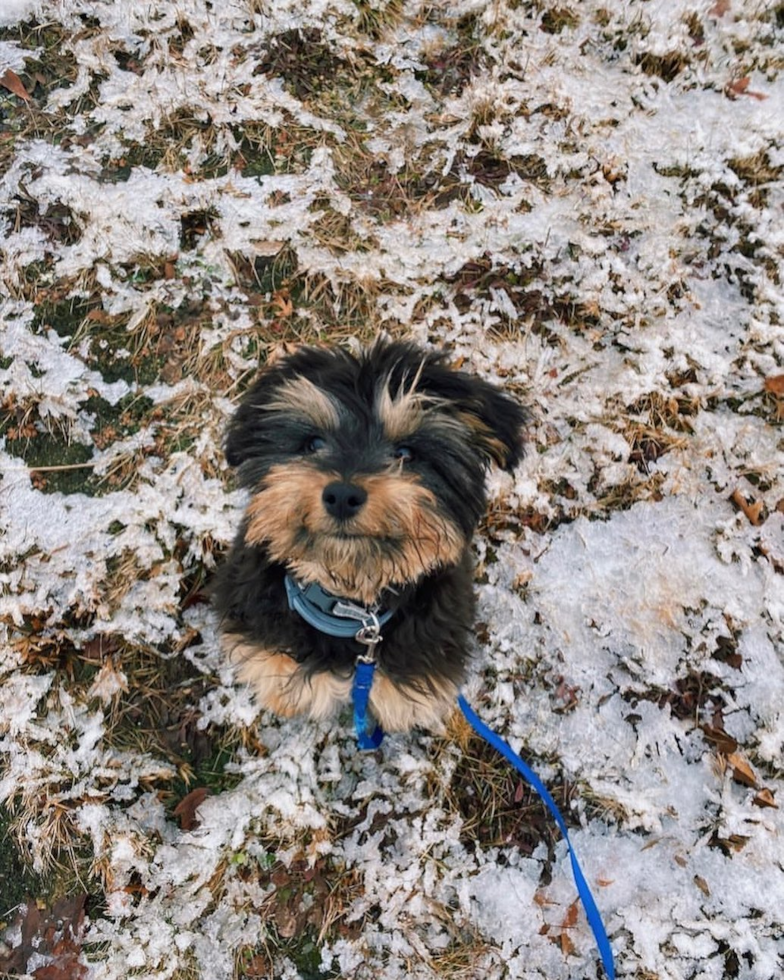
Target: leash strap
{"points": [[344, 619], [584, 891], [363, 681]]}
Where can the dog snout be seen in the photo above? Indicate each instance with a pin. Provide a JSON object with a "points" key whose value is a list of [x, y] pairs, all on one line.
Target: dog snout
{"points": [[343, 500]]}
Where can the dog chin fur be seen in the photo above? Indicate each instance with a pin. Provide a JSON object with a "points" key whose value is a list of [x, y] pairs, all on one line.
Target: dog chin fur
{"points": [[366, 475]]}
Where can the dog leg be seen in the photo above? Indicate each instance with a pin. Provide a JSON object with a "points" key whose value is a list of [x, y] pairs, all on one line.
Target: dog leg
{"points": [[398, 708], [281, 685]]}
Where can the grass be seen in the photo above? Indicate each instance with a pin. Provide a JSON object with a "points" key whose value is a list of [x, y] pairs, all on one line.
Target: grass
{"points": [[205, 325], [18, 881]]}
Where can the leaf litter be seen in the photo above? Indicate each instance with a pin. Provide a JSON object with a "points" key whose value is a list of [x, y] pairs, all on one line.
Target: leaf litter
{"points": [[580, 201]]}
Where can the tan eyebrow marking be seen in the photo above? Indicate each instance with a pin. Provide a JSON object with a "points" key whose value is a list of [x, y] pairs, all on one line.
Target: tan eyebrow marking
{"points": [[301, 396]]}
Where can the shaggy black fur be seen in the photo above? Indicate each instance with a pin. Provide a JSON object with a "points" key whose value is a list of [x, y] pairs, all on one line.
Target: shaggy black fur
{"points": [[468, 425], [426, 640]]}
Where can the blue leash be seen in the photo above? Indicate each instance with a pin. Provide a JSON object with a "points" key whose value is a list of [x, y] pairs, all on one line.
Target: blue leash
{"points": [[583, 889], [347, 619], [363, 680]]}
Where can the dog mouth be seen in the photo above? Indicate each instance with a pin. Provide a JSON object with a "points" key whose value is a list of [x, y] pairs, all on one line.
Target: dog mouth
{"points": [[396, 537], [348, 536]]}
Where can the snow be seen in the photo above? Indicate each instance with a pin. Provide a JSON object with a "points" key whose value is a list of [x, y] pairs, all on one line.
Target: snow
{"points": [[12, 11], [629, 283]]}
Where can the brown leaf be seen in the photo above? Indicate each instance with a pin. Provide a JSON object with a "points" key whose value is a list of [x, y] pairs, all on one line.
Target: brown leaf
{"points": [[719, 9], [10, 80], [55, 934], [98, 316], [260, 965], [567, 946], [280, 877], [267, 249], [282, 304], [752, 510], [570, 919], [702, 884], [64, 966], [765, 798], [775, 384], [724, 743], [102, 645], [188, 805], [740, 86], [741, 770], [286, 922]]}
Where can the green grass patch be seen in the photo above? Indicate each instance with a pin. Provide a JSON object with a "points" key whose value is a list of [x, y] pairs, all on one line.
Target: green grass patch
{"points": [[58, 465], [64, 315], [17, 879]]}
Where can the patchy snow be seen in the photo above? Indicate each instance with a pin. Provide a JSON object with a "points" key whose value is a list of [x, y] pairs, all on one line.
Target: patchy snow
{"points": [[582, 201]]}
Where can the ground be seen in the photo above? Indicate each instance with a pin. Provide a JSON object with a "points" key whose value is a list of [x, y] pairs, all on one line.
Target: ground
{"points": [[580, 201]]}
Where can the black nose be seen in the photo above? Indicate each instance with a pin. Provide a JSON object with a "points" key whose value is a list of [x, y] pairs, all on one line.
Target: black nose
{"points": [[343, 500]]}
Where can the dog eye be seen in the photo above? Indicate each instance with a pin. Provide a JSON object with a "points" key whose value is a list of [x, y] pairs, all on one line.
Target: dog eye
{"points": [[313, 444], [403, 453]]}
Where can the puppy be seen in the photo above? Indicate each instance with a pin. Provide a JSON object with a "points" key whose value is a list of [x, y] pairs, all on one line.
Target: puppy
{"points": [[367, 479]]}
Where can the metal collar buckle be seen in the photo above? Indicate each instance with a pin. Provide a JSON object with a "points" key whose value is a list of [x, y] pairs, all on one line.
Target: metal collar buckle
{"points": [[369, 632]]}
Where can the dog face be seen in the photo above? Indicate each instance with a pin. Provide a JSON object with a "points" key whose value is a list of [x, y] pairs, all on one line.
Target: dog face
{"points": [[368, 472]]}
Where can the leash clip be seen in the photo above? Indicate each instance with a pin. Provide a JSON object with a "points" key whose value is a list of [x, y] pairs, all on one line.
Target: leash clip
{"points": [[369, 632]]}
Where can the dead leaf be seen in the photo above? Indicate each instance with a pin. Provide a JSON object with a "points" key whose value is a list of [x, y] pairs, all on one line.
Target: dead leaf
{"points": [[54, 934], [740, 86], [723, 742], [765, 798], [98, 316], [188, 805], [10, 80], [520, 581], [281, 304], [741, 770], [570, 919], [775, 384], [267, 249], [752, 510], [702, 884], [285, 921], [566, 944], [719, 9], [259, 966], [64, 966], [100, 646]]}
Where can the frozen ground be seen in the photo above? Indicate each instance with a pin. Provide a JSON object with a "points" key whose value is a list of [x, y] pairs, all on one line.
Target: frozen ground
{"points": [[581, 200]]}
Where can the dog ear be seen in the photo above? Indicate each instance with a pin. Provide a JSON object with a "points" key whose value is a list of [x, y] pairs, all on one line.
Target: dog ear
{"points": [[238, 443], [242, 435], [497, 423], [283, 387], [495, 420]]}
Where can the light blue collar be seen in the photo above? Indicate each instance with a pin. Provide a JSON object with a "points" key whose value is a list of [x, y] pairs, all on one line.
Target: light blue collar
{"points": [[332, 615], [350, 621]]}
